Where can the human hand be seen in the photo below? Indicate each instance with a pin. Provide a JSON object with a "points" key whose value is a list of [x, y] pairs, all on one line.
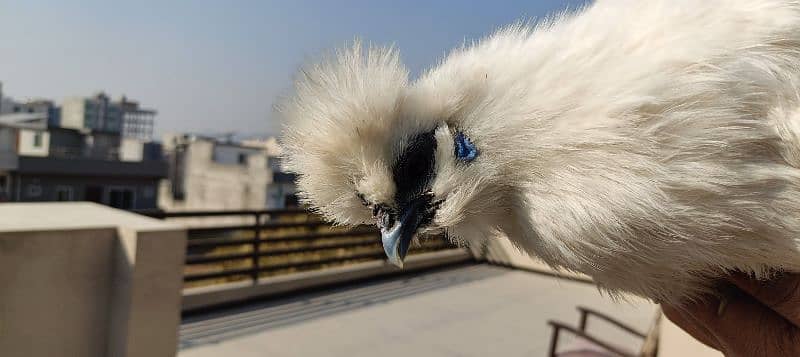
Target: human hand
{"points": [[761, 318]]}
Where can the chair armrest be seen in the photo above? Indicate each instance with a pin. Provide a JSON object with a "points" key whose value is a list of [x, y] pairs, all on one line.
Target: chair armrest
{"points": [[557, 326], [586, 312]]}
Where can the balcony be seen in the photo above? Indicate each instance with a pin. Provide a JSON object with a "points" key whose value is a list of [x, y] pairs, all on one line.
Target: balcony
{"points": [[56, 165], [94, 281]]}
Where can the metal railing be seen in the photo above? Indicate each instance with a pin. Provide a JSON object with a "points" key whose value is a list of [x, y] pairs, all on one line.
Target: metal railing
{"points": [[69, 152], [276, 242]]}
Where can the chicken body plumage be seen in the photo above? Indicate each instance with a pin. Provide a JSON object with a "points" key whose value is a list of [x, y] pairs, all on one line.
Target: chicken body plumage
{"points": [[653, 145]]}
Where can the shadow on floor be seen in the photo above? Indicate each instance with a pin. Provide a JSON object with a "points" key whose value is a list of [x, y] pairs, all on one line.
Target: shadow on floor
{"points": [[260, 316]]}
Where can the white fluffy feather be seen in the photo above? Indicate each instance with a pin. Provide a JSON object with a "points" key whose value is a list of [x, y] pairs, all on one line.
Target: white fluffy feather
{"points": [[653, 145]]}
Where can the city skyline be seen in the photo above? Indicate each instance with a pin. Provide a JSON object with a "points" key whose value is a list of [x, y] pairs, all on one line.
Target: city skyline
{"points": [[218, 67]]}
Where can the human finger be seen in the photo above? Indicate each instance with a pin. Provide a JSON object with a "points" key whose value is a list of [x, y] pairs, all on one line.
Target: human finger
{"points": [[781, 294], [695, 328]]}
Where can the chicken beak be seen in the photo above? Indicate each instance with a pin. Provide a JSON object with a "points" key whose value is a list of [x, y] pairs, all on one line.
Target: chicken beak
{"points": [[396, 243], [397, 238]]}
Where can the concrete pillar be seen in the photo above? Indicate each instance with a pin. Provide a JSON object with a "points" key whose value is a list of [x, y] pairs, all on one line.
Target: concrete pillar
{"points": [[79, 279]]}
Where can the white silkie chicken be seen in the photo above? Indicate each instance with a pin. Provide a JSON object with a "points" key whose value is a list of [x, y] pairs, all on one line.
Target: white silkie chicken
{"points": [[653, 145]]}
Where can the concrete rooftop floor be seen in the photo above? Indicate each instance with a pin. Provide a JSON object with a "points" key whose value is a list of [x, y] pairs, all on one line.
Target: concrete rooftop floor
{"points": [[474, 310]]}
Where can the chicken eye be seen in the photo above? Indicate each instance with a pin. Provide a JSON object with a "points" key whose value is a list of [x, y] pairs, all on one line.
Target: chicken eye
{"points": [[363, 199], [465, 150]]}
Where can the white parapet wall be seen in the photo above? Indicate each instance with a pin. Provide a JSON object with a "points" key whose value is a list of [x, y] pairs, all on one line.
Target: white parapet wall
{"points": [[79, 279]]}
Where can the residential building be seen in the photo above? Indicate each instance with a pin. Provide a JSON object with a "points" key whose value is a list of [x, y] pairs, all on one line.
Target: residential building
{"points": [[96, 113], [26, 136], [137, 122], [117, 184], [80, 158], [282, 191], [207, 173], [135, 150], [100, 113], [38, 165], [11, 109]]}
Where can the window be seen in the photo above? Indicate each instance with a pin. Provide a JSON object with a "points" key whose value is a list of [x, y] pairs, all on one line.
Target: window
{"points": [[64, 194], [3, 184], [122, 198], [37, 140], [94, 194], [242, 158], [149, 192], [34, 190]]}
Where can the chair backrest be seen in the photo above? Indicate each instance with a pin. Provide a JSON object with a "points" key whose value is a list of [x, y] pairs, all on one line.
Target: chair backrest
{"points": [[650, 345]]}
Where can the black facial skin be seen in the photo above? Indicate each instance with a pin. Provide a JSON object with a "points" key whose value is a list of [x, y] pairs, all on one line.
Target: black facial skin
{"points": [[412, 174], [413, 170]]}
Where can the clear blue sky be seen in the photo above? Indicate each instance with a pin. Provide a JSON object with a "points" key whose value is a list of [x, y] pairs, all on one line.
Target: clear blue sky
{"points": [[216, 66]]}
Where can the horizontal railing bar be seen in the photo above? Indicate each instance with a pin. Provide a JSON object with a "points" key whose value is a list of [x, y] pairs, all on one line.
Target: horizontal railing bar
{"points": [[183, 214], [264, 226], [268, 268], [276, 252], [225, 273], [218, 274], [191, 260], [223, 242], [218, 242], [380, 255], [285, 251], [316, 236]]}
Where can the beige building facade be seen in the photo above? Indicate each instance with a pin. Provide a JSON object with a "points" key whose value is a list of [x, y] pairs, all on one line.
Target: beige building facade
{"points": [[205, 174]]}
